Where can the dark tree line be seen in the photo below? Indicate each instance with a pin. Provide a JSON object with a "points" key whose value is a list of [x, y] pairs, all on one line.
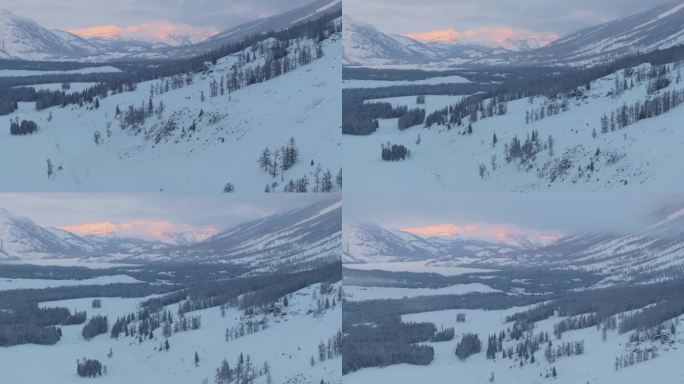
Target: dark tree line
{"points": [[361, 118], [412, 117], [89, 368], [653, 106], [391, 342], [394, 152], [32, 325], [26, 127]]}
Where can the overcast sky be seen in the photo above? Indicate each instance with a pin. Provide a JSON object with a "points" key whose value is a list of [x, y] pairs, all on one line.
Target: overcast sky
{"points": [[146, 214], [149, 18], [539, 16], [550, 213]]}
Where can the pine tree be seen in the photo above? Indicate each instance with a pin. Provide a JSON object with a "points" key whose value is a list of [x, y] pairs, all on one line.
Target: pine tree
{"points": [[196, 359]]}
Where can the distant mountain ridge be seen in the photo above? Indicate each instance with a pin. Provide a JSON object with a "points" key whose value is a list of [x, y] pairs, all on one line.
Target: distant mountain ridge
{"points": [[658, 28], [23, 39], [370, 243], [650, 251], [300, 237]]}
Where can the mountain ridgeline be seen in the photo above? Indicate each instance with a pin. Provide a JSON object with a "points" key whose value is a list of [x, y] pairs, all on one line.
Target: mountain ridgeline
{"points": [[302, 238]]}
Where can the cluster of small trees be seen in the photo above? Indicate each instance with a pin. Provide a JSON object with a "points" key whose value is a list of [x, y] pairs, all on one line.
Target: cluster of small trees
{"points": [[135, 116], [97, 325], [412, 117], [494, 345], [26, 127], [244, 372], [394, 152], [527, 150], [635, 356], [283, 158], [549, 109], [121, 325], [246, 327], [653, 106], [331, 349], [468, 345], [570, 348], [473, 108], [666, 333], [89, 368], [577, 322]]}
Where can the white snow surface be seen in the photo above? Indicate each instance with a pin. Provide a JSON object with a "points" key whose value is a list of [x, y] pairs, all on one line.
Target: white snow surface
{"points": [[452, 79], [358, 293], [82, 71], [416, 266], [11, 283]]}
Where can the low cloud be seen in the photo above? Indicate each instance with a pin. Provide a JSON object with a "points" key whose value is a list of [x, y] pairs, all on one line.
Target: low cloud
{"points": [[489, 35], [153, 31], [155, 229], [503, 233]]}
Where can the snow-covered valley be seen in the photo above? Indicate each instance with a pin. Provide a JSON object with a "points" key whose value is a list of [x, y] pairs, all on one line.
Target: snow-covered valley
{"points": [[575, 153]]}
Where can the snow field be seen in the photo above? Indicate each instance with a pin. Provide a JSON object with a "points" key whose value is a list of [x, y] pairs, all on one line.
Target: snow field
{"points": [[446, 160]]}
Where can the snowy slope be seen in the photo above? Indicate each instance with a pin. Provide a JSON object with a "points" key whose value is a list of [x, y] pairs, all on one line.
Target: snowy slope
{"points": [[642, 156], [658, 28], [230, 135], [287, 345], [295, 238], [22, 238], [23, 38]]}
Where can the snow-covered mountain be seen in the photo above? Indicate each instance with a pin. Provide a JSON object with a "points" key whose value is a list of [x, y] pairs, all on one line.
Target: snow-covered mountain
{"points": [[22, 238], [365, 45], [371, 243], [658, 28], [653, 249], [307, 235], [22, 38]]}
